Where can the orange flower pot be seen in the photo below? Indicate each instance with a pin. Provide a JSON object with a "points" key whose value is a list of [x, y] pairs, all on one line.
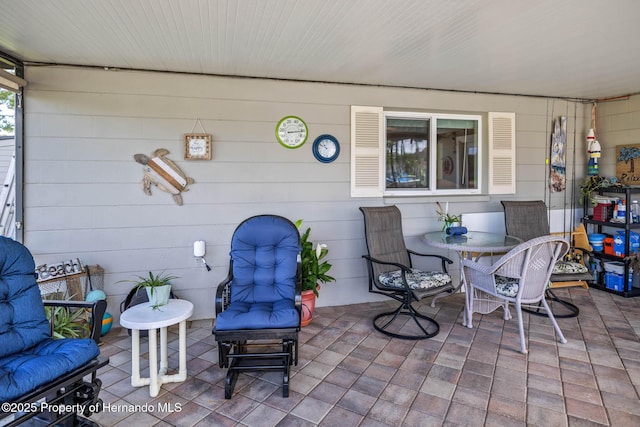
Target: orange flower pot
{"points": [[308, 307]]}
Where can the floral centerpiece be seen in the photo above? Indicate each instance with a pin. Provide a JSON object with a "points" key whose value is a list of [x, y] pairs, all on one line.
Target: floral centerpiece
{"points": [[314, 267], [448, 219]]}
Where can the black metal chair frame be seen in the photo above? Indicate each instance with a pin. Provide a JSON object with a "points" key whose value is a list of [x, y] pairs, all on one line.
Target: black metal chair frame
{"points": [[542, 228], [405, 296], [234, 345], [70, 390]]}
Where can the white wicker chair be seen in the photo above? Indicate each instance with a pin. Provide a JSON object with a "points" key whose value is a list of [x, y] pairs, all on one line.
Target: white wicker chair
{"points": [[520, 276]]}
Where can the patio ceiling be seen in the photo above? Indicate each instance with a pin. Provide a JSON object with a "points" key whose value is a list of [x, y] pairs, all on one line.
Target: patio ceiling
{"points": [[570, 48]]}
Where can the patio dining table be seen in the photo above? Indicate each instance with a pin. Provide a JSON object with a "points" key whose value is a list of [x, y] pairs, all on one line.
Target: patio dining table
{"points": [[473, 245]]}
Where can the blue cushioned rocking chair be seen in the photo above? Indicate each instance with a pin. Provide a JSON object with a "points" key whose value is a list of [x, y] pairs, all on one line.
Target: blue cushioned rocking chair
{"points": [[258, 304], [39, 375]]}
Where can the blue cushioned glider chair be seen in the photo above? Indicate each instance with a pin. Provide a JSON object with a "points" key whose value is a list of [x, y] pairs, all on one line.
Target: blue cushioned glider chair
{"points": [[258, 304], [37, 371]]}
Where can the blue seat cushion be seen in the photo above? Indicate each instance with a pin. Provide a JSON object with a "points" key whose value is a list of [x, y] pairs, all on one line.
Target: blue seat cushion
{"points": [[27, 370], [258, 315]]}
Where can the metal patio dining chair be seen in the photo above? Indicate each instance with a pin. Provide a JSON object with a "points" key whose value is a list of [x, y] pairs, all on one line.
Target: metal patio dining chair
{"points": [[528, 220], [391, 273]]}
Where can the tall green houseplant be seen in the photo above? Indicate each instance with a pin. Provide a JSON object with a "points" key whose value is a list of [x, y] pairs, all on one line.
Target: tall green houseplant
{"points": [[314, 267]]}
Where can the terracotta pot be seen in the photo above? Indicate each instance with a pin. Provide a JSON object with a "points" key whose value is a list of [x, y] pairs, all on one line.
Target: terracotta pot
{"points": [[308, 307]]}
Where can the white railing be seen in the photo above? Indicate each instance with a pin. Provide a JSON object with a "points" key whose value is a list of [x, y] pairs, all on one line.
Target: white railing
{"points": [[8, 202]]}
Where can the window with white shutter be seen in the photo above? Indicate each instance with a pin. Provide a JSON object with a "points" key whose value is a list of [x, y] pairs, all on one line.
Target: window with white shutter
{"points": [[399, 153]]}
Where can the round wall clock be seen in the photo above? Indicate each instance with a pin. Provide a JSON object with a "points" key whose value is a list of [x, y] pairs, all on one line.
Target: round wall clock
{"points": [[326, 148], [292, 132]]}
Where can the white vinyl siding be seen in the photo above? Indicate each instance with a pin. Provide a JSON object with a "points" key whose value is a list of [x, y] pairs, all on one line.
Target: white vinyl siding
{"points": [[83, 196]]}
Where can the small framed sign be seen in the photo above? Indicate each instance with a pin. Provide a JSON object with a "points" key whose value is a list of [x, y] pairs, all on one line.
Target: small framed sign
{"points": [[627, 157], [197, 146]]}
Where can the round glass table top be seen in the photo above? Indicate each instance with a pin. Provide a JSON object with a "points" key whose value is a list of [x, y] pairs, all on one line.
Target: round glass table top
{"points": [[476, 241]]}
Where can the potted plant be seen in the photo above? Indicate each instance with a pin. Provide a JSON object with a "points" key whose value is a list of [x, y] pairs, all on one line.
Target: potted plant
{"points": [[68, 323], [158, 287], [588, 188], [449, 220], [314, 272]]}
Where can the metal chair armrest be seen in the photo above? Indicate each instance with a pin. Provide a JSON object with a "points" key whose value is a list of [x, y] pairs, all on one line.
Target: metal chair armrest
{"points": [[442, 258], [378, 261], [223, 293]]}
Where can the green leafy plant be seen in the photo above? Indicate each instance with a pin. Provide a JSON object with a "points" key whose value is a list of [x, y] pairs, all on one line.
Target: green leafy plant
{"points": [[151, 282], [68, 322], [446, 217], [588, 187], [314, 269]]}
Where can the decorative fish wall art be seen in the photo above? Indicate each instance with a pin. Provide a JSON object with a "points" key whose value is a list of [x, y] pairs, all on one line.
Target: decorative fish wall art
{"points": [[164, 174]]}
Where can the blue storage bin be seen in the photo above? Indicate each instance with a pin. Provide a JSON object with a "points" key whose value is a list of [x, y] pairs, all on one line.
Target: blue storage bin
{"points": [[596, 240]]}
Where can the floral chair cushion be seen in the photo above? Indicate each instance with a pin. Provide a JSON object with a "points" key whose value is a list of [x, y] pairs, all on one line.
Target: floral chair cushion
{"points": [[416, 279], [569, 267], [507, 286]]}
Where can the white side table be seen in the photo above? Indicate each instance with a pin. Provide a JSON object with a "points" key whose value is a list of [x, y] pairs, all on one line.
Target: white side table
{"points": [[143, 317]]}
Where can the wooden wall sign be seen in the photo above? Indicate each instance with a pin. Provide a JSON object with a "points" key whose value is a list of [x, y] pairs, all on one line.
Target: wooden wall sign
{"points": [[197, 146], [628, 164], [59, 270]]}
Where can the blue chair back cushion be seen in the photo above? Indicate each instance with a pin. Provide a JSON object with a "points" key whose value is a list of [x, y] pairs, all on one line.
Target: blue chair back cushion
{"points": [[23, 322], [29, 357], [264, 252]]}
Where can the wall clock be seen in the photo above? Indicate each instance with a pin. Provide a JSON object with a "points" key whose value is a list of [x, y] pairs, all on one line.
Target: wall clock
{"points": [[197, 146], [326, 148], [292, 132]]}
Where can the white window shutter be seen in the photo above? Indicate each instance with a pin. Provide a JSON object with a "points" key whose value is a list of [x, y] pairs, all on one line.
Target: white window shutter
{"points": [[502, 153], [367, 152]]}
